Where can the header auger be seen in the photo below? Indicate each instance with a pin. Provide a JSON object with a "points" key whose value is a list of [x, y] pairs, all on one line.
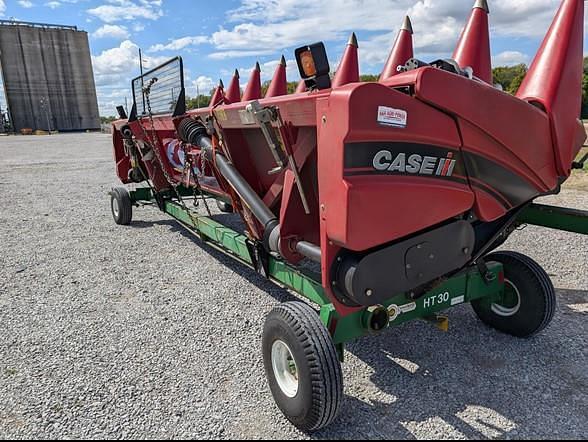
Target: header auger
{"points": [[379, 202]]}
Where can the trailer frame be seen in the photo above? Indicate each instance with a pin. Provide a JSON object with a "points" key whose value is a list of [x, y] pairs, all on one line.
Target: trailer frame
{"points": [[464, 287]]}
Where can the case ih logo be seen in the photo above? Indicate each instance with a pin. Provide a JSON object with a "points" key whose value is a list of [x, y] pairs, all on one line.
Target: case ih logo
{"points": [[415, 164]]}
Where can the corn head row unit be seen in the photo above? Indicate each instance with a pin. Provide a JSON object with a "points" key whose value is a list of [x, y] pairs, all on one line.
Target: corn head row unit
{"points": [[379, 202]]}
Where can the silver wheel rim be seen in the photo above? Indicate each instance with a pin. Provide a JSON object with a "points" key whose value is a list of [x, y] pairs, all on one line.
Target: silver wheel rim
{"points": [[501, 310], [285, 369], [115, 209]]}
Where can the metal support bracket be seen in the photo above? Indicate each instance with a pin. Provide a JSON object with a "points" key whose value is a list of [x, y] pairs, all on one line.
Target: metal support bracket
{"points": [[580, 164], [259, 257], [487, 276], [560, 218], [265, 116]]}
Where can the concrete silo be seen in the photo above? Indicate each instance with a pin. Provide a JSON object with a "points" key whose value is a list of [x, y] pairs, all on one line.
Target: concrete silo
{"points": [[47, 76]]}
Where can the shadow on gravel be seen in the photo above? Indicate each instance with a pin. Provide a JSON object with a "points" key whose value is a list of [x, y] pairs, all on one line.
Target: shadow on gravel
{"points": [[573, 302], [150, 224], [426, 394], [278, 293], [472, 382]]}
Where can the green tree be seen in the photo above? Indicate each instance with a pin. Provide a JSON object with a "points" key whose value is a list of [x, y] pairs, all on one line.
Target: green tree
{"points": [[369, 78], [510, 77], [585, 90], [198, 102], [292, 85], [107, 120]]}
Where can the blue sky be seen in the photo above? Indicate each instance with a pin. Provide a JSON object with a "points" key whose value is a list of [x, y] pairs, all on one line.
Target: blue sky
{"points": [[215, 37]]}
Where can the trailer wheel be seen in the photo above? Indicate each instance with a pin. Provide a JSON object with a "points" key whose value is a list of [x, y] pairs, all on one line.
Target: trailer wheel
{"points": [[224, 207], [302, 366], [529, 303], [121, 206]]}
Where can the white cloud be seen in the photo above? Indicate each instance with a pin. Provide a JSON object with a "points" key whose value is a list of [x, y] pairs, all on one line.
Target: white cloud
{"points": [[202, 85], [180, 43], [26, 4], [113, 70], [53, 5], [510, 58], [268, 69], [223, 55], [526, 18], [267, 26], [2, 7], [119, 10], [123, 59], [111, 31]]}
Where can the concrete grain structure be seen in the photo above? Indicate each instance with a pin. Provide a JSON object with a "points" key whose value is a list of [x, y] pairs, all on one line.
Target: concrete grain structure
{"points": [[47, 76]]}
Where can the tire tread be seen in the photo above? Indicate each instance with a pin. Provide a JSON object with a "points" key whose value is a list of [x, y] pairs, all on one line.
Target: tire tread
{"points": [[125, 206], [325, 370], [533, 273]]}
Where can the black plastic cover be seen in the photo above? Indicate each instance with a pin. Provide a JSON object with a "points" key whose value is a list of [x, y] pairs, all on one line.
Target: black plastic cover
{"points": [[400, 268]]}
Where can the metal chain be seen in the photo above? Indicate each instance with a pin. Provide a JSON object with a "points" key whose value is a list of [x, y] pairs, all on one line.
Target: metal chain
{"points": [[189, 170], [154, 141]]}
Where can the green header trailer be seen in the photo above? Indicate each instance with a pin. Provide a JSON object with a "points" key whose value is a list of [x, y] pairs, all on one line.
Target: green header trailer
{"points": [[508, 290]]}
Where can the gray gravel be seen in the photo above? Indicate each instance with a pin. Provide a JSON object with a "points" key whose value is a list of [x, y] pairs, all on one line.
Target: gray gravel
{"points": [[143, 332]]}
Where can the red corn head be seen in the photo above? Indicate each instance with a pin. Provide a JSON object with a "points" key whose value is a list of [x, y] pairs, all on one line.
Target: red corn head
{"points": [[218, 95], [279, 84], [233, 92], [253, 89], [348, 71], [402, 51], [554, 81], [473, 48], [301, 88]]}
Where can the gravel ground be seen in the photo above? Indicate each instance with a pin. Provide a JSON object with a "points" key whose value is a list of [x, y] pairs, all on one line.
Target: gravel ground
{"points": [[143, 332]]}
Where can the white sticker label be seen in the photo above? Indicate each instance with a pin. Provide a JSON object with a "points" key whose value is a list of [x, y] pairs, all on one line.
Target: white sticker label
{"points": [[388, 116], [458, 300]]}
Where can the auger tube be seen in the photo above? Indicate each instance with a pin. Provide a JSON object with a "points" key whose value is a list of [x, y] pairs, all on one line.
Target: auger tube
{"points": [[309, 251]]}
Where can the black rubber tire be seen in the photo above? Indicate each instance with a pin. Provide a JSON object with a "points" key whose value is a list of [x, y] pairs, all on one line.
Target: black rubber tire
{"points": [[536, 295], [224, 207], [125, 206], [320, 380]]}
